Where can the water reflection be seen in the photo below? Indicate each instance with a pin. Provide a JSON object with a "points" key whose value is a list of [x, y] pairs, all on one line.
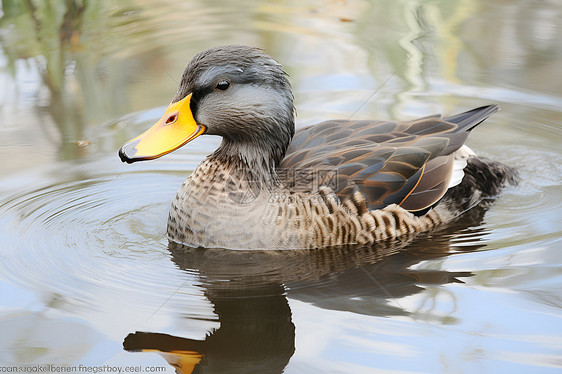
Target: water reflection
{"points": [[256, 334], [66, 44], [250, 291]]}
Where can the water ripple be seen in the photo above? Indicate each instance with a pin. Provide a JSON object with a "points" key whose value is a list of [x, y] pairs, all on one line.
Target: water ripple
{"points": [[88, 234]]}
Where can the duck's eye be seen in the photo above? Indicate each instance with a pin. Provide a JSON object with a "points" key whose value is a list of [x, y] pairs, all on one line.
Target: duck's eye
{"points": [[222, 85]]}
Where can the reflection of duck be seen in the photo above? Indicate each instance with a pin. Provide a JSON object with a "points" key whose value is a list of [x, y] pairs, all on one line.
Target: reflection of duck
{"points": [[256, 334], [250, 292], [339, 182]]}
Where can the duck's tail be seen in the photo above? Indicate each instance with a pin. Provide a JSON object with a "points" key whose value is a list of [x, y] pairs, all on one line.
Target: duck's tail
{"points": [[466, 121], [482, 182]]}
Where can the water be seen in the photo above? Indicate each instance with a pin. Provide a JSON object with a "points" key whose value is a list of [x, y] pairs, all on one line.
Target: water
{"points": [[85, 267]]}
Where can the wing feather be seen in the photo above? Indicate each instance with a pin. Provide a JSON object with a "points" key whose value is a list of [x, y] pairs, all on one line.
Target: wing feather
{"points": [[407, 163]]}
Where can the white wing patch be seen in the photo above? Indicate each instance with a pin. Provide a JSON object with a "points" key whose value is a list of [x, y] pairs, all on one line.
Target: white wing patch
{"points": [[461, 155]]}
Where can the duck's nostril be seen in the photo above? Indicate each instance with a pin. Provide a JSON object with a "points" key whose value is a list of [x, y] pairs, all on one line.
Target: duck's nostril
{"points": [[171, 119]]}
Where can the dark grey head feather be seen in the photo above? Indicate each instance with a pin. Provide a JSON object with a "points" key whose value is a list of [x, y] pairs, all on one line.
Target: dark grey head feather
{"points": [[255, 116], [239, 62]]}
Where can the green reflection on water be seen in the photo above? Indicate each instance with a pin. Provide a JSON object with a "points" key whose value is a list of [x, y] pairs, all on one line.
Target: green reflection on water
{"points": [[99, 60]]}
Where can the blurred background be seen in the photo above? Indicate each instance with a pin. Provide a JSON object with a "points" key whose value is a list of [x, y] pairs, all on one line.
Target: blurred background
{"points": [[84, 260], [70, 66]]}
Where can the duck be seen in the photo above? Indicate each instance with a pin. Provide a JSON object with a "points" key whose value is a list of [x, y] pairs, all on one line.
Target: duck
{"points": [[336, 183]]}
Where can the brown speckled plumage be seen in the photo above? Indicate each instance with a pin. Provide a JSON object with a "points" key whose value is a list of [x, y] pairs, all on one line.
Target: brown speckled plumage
{"points": [[335, 183], [278, 218]]}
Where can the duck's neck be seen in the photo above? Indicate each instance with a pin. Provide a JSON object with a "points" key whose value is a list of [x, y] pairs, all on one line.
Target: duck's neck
{"points": [[253, 161]]}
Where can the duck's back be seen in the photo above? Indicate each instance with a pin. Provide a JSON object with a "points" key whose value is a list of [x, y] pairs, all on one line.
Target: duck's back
{"points": [[410, 164]]}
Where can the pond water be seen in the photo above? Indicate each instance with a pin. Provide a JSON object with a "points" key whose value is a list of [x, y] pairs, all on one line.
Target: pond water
{"points": [[85, 266]]}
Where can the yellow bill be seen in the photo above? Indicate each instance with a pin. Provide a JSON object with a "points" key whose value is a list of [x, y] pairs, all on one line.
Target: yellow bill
{"points": [[176, 127]]}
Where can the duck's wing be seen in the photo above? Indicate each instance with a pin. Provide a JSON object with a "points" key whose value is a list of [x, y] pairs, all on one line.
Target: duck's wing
{"points": [[406, 163]]}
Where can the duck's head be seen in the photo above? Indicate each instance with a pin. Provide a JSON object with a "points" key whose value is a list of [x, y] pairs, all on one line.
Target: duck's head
{"points": [[236, 92]]}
